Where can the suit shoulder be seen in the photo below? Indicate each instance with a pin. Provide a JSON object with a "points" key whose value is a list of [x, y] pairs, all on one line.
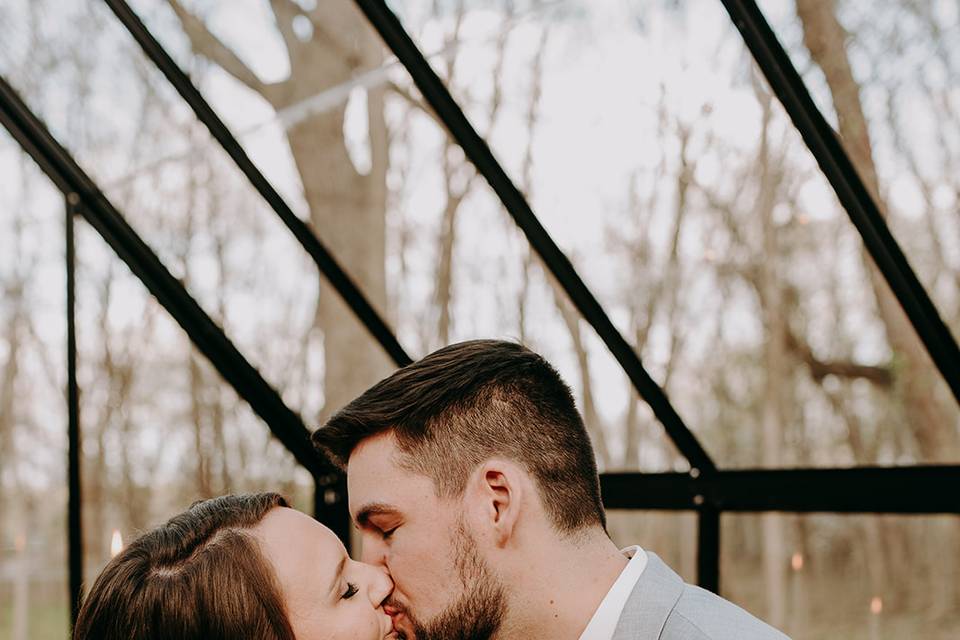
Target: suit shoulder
{"points": [[702, 615]]}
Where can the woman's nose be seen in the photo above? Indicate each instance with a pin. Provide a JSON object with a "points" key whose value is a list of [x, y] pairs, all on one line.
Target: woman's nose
{"points": [[380, 585]]}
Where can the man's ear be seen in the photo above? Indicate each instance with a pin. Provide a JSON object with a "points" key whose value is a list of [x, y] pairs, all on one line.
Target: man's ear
{"points": [[500, 487]]}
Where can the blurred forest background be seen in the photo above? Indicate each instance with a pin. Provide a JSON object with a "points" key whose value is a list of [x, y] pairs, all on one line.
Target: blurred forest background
{"points": [[655, 155]]}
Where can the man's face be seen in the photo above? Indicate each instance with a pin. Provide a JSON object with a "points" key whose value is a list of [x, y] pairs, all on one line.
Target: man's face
{"points": [[443, 588]]}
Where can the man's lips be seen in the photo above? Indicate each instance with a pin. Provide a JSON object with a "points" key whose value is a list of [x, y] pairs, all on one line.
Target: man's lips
{"points": [[392, 610], [395, 612]]}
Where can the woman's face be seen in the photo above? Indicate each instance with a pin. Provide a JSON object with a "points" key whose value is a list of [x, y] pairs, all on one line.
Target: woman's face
{"points": [[328, 596]]}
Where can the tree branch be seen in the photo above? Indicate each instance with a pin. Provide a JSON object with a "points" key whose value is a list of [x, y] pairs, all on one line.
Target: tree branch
{"points": [[284, 12], [820, 369], [418, 104], [204, 43]]}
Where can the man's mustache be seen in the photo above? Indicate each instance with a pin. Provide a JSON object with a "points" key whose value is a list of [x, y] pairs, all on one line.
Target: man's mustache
{"points": [[393, 607]]}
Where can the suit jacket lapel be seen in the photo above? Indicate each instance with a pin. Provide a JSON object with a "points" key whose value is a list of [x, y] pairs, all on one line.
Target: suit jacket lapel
{"points": [[650, 602]]}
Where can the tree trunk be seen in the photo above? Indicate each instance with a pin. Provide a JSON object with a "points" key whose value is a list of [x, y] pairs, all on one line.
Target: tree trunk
{"points": [[588, 407], [917, 378], [8, 413], [918, 382], [772, 300], [443, 289], [347, 208], [20, 606], [221, 451], [8, 380]]}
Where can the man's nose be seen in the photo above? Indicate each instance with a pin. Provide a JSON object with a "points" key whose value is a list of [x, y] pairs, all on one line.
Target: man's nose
{"points": [[371, 552]]}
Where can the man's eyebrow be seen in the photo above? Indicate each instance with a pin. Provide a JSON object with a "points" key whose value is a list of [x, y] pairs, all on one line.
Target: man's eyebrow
{"points": [[371, 509], [334, 584]]}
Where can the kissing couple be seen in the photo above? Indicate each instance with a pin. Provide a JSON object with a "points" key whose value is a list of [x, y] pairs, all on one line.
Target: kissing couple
{"points": [[474, 487]]}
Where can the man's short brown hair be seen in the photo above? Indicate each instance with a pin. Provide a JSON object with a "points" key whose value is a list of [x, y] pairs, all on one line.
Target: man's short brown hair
{"points": [[472, 401]]}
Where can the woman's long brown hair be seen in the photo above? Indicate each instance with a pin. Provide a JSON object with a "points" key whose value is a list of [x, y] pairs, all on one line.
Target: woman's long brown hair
{"points": [[199, 576]]}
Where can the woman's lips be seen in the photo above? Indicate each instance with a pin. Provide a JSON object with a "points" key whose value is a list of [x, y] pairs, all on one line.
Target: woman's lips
{"points": [[398, 620], [401, 622], [391, 630]]}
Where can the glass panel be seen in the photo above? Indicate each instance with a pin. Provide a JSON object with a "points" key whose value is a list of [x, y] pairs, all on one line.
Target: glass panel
{"points": [[455, 268], [674, 159], [134, 134], [671, 535], [903, 62], [849, 576], [210, 228], [461, 269], [679, 188], [34, 600], [160, 427]]}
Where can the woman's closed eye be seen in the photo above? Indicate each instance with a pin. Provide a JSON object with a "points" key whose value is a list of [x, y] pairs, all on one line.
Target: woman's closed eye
{"points": [[387, 533], [350, 592]]}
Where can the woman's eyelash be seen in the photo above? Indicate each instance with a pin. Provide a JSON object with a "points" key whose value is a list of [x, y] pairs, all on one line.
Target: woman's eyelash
{"points": [[386, 534], [350, 592]]}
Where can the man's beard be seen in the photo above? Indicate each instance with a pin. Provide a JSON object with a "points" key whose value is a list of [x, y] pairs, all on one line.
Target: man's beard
{"points": [[479, 610]]}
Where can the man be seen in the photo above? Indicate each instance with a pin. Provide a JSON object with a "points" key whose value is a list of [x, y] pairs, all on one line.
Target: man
{"points": [[472, 480]]}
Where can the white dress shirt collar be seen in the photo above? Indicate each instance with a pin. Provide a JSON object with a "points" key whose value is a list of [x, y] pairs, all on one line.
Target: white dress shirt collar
{"points": [[604, 620]]}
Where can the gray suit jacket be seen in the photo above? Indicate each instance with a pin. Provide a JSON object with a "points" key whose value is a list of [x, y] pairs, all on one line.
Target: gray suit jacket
{"points": [[663, 607]]}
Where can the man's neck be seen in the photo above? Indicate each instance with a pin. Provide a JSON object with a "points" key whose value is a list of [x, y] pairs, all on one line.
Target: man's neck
{"points": [[560, 586]]}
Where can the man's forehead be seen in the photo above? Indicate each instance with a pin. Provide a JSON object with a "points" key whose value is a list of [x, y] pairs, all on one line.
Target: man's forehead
{"points": [[375, 477], [374, 458], [381, 444], [372, 472]]}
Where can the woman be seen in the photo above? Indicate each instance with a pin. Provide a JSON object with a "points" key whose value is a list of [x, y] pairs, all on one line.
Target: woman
{"points": [[236, 567]]}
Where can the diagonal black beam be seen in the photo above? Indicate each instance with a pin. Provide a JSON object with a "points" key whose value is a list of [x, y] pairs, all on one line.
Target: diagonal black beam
{"points": [[208, 337], [324, 260], [839, 170], [437, 94], [908, 490]]}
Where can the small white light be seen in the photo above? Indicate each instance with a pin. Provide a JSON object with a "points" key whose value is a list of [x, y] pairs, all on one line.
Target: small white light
{"points": [[116, 543], [796, 562]]}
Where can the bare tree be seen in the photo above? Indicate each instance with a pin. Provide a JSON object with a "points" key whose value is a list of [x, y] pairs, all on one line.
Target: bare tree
{"points": [[932, 418], [916, 378], [774, 412], [347, 207]]}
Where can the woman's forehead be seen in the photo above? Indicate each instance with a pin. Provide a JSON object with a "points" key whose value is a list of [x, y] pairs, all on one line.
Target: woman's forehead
{"points": [[300, 549]]}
